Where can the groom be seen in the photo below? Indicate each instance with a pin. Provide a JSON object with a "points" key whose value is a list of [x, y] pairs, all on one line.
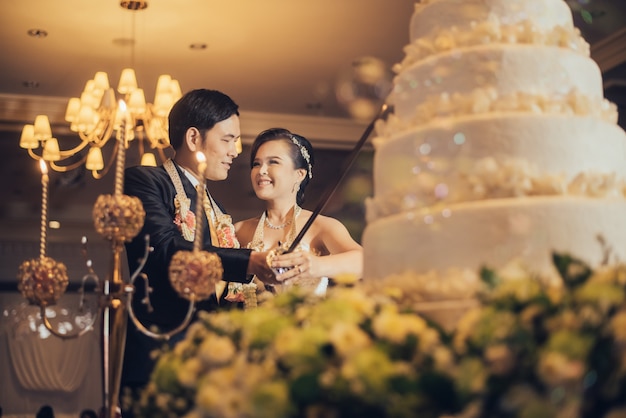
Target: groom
{"points": [[204, 121]]}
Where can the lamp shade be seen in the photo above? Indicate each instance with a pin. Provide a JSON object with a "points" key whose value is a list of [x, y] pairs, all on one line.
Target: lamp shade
{"points": [[86, 118], [51, 150], [148, 159], [101, 82], [94, 159], [73, 107], [137, 102], [42, 130], [27, 139], [128, 81], [164, 84]]}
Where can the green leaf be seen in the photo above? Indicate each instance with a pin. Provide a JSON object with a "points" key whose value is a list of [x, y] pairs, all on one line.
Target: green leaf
{"points": [[573, 271], [489, 277], [305, 389], [439, 390]]}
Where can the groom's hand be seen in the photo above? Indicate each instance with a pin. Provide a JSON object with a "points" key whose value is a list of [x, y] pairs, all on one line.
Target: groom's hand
{"points": [[259, 267]]}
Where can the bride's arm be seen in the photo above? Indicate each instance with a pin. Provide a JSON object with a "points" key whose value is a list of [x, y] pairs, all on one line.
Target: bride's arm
{"points": [[344, 254]]}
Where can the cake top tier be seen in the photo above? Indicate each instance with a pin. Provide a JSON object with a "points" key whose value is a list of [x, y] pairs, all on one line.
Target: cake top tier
{"points": [[432, 15]]}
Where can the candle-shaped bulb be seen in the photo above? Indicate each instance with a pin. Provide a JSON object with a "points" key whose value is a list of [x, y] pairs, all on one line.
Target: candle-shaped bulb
{"points": [[121, 149], [197, 243], [44, 207], [44, 167]]}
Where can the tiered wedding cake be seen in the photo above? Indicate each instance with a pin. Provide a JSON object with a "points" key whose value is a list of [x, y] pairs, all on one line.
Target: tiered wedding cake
{"points": [[500, 147]]}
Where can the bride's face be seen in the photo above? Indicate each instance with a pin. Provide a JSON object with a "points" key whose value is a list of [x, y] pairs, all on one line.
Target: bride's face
{"points": [[273, 173]]}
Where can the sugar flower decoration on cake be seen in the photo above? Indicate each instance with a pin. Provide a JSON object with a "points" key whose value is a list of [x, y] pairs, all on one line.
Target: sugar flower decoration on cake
{"points": [[492, 31]]}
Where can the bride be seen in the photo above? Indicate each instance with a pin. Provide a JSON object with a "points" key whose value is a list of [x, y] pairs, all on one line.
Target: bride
{"points": [[281, 167]]}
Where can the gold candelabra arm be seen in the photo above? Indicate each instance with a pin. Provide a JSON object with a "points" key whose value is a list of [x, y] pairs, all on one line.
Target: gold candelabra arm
{"points": [[143, 260], [63, 154], [56, 333], [129, 305], [69, 167], [70, 152], [158, 335], [34, 156], [94, 277], [101, 133], [44, 304], [98, 175]]}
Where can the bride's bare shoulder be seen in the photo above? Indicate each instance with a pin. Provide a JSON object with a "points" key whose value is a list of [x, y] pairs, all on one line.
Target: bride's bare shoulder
{"points": [[246, 225], [321, 222]]}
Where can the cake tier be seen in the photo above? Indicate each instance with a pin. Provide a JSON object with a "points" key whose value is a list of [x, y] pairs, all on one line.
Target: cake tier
{"points": [[494, 233], [435, 14], [497, 155], [505, 69]]}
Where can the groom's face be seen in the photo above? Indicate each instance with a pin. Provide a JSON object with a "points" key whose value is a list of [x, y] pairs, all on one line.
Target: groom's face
{"points": [[220, 148]]}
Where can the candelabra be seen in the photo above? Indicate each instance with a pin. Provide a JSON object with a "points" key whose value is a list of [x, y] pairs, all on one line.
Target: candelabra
{"points": [[118, 218]]}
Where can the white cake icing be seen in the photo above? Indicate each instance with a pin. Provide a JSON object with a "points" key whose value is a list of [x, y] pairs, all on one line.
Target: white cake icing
{"points": [[507, 69], [434, 14], [495, 156], [495, 232], [500, 147]]}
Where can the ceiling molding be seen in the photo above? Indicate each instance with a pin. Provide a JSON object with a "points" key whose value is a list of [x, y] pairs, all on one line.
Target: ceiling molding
{"points": [[329, 132], [610, 51], [17, 110]]}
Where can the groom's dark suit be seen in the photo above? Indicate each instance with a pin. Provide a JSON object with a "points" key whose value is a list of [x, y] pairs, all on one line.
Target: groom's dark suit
{"points": [[153, 186]]}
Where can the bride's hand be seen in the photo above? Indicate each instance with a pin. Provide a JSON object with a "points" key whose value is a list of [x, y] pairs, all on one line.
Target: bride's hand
{"points": [[301, 265]]}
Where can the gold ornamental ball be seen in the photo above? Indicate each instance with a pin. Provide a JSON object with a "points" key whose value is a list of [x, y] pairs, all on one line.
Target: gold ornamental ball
{"points": [[42, 281], [194, 274], [118, 217]]}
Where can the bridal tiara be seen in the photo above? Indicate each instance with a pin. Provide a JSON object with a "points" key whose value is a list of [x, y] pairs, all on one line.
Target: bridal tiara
{"points": [[305, 154]]}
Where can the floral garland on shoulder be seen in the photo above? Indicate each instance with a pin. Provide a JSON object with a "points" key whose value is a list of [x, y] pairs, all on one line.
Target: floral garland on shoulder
{"points": [[225, 232], [184, 218], [224, 229]]}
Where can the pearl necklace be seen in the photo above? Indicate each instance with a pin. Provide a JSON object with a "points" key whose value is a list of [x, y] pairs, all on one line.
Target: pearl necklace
{"points": [[257, 243], [296, 211]]}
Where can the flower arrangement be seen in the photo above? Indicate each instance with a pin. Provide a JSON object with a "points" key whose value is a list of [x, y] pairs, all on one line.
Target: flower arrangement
{"points": [[348, 354], [531, 348], [541, 349]]}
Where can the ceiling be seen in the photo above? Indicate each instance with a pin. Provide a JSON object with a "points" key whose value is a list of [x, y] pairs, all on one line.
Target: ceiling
{"points": [[276, 56], [271, 56], [280, 60]]}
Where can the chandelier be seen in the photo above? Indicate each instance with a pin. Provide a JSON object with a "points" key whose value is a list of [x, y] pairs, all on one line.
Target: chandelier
{"points": [[95, 116]]}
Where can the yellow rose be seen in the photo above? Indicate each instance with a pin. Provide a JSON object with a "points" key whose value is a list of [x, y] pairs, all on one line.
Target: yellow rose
{"points": [[189, 371], [618, 326], [216, 350], [348, 338]]}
